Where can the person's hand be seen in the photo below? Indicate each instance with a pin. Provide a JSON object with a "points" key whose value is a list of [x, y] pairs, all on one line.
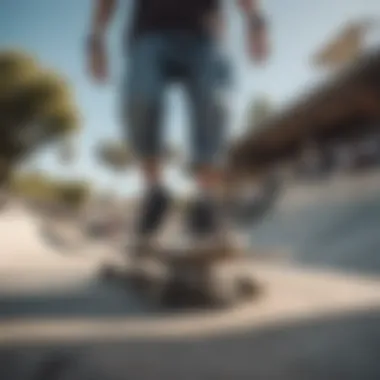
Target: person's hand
{"points": [[258, 48], [97, 60]]}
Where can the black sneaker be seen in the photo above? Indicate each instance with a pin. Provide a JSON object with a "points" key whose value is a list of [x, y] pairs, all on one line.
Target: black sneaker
{"points": [[153, 211], [204, 218]]}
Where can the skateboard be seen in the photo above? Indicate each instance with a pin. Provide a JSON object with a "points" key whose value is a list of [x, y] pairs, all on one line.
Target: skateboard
{"points": [[186, 276], [192, 274]]}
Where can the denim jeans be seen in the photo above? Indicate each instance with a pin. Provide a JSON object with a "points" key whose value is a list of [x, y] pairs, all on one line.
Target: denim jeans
{"points": [[157, 60]]}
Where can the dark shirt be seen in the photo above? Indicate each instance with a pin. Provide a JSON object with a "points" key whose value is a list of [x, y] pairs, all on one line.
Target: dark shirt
{"points": [[178, 15]]}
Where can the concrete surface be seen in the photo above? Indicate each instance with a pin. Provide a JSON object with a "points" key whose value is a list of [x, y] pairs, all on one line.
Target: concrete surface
{"points": [[58, 322]]}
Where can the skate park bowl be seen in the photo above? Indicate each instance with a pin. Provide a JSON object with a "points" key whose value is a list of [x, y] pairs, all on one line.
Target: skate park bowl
{"points": [[56, 316], [318, 316]]}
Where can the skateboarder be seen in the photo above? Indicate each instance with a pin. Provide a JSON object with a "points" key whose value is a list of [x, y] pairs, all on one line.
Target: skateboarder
{"points": [[175, 40]]}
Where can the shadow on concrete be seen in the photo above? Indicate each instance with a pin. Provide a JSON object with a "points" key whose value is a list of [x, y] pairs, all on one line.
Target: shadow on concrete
{"points": [[343, 347], [93, 300], [342, 236]]}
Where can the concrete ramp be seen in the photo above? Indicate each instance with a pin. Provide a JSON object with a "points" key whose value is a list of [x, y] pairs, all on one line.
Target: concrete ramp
{"points": [[28, 262], [290, 295], [28, 267]]}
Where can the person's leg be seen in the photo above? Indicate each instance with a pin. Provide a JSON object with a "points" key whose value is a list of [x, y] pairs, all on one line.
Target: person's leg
{"points": [[206, 84], [145, 88]]}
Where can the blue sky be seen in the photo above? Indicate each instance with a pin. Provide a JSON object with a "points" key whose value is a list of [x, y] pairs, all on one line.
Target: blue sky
{"points": [[54, 31]]}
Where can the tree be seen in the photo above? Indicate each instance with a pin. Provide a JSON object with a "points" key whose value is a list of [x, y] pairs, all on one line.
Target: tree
{"points": [[43, 188], [72, 194], [115, 155], [119, 157], [36, 108]]}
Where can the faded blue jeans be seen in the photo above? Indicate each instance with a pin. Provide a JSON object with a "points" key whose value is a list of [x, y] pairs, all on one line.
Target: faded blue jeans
{"points": [[156, 61]]}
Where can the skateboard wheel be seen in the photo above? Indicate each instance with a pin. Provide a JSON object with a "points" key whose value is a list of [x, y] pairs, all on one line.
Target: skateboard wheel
{"points": [[247, 287]]}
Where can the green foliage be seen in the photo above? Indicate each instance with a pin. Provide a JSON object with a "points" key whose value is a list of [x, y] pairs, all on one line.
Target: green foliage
{"points": [[16, 70], [42, 188], [72, 194], [115, 155], [33, 186], [118, 157], [36, 107]]}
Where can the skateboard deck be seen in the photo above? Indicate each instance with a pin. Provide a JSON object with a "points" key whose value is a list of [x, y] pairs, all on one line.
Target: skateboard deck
{"points": [[186, 275]]}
